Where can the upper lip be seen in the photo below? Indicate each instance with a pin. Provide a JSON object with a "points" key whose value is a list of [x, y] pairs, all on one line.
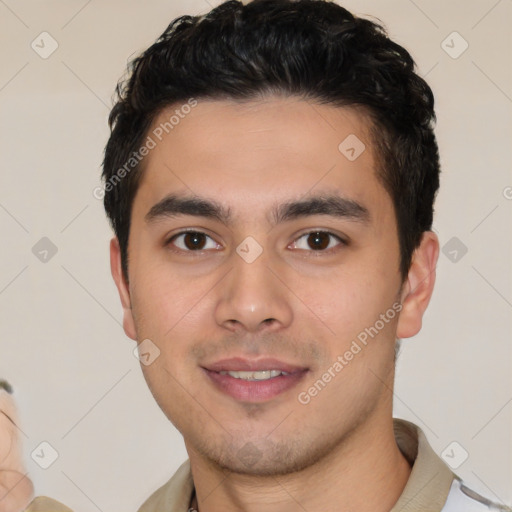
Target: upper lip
{"points": [[241, 364]]}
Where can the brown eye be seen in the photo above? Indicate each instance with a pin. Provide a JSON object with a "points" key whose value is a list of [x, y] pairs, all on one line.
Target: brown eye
{"points": [[320, 241], [192, 241]]}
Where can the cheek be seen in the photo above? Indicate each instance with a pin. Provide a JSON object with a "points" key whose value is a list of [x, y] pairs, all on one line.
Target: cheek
{"points": [[159, 297], [352, 308], [168, 310], [350, 300], [162, 315]]}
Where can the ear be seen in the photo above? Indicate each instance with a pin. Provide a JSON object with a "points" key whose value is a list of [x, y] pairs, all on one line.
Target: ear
{"points": [[419, 286], [122, 287]]}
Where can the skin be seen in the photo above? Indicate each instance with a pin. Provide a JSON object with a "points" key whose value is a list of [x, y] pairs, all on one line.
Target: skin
{"points": [[295, 303], [16, 489]]}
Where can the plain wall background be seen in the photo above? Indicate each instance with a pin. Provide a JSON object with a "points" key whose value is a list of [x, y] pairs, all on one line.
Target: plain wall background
{"points": [[76, 381]]}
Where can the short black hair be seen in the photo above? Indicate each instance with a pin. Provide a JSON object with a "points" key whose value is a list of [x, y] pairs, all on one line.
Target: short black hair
{"points": [[311, 49]]}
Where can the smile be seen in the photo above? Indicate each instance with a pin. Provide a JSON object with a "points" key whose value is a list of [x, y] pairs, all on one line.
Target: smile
{"points": [[250, 380], [255, 376]]}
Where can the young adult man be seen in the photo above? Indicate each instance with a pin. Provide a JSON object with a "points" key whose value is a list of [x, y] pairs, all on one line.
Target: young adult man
{"points": [[282, 209], [270, 178]]}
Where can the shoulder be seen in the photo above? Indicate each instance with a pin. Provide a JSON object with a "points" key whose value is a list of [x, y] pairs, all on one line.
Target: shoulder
{"points": [[462, 499]]}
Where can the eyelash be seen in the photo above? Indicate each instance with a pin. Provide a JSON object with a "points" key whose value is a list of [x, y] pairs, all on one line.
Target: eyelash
{"points": [[341, 241]]}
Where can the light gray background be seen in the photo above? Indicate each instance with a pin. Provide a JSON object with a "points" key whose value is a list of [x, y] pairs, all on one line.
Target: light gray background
{"points": [[77, 383]]}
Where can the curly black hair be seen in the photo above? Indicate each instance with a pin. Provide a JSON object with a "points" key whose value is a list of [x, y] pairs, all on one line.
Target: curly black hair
{"points": [[312, 49]]}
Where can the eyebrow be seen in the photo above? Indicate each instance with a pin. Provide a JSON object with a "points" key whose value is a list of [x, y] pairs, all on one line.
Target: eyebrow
{"points": [[175, 205]]}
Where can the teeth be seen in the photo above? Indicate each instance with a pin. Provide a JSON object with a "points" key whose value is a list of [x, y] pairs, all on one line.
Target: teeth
{"points": [[259, 375]]}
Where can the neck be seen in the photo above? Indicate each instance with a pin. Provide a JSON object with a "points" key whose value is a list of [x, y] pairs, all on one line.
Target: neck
{"points": [[367, 473]]}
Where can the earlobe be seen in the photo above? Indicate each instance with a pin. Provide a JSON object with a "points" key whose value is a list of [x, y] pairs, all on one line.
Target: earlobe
{"points": [[122, 287], [419, 286]]}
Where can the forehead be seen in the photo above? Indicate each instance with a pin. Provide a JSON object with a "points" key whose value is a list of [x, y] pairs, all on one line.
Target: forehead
{"points": [[252, 152]]}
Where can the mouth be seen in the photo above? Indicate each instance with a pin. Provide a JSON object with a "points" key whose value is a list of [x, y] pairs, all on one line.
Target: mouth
{"points": [[254, 380]]}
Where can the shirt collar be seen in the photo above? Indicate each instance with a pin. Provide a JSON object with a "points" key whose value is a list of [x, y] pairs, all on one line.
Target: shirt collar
{"points": [[430, 479]]}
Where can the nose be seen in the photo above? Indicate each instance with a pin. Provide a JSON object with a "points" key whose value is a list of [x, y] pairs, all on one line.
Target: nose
{"points": [[253, 298]]}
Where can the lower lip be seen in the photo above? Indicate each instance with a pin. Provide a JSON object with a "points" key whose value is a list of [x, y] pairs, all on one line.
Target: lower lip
{"points": [[255, 390]]}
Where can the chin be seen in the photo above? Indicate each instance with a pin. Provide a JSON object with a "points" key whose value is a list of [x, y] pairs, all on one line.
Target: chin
{"points": [[262, 457]]}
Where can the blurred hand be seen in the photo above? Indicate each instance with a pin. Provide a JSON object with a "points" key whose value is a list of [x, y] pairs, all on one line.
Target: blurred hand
{"points": [[16, 489]]}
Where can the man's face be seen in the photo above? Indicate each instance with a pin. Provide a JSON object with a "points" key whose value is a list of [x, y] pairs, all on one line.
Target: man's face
{"points": [[271, 281]]}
